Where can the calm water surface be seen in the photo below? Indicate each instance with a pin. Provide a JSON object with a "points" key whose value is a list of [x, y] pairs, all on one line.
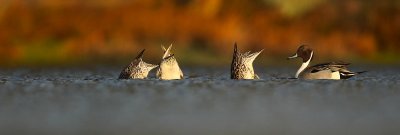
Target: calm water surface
{"points": [[85, 101]]}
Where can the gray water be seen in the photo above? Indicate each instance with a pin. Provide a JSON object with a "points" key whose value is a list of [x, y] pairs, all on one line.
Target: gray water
{"points": [[93, 101]]}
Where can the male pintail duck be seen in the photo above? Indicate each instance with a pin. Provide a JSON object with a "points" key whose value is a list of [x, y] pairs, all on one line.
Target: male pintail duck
{"points": [[242, 64], [137, 69], [169, 68], [332, 70]]}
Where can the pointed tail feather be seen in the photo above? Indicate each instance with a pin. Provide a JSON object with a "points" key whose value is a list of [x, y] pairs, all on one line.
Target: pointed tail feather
{"points": [[140, 54], [253, 56], [167, 52], [234, 60], [163, 48], [235, 49], [347, 75]]}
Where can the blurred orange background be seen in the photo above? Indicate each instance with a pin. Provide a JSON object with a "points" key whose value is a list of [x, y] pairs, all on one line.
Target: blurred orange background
{"points": [[78, 32]]}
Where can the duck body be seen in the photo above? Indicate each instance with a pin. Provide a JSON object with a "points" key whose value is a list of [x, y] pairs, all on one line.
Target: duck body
{"points": [[137, 69], [332, 70], [242, 65], [169, 68]]}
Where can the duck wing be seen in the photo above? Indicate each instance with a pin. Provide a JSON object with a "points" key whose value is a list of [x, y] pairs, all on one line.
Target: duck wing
{"points": [[340, 67], [333, 66]]}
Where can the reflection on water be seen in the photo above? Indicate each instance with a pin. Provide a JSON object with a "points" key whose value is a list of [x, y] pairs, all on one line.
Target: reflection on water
{"points": [[95, 102]]}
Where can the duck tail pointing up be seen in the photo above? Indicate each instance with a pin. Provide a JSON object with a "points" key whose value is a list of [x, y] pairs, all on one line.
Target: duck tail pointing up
{"points": [[235, 49], [140, 55]]}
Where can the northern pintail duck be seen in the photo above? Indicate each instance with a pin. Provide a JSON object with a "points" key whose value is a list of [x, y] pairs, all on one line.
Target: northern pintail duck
{"points": [[332, 70], [169, 68], [137, 69], [242, 64]]}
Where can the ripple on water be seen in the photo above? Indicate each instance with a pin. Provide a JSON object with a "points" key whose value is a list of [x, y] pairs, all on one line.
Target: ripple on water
{"points": [[207, 102]]}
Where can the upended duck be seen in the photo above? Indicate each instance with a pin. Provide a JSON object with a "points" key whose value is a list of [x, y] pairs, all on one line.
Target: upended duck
{"points": [[242, 64], [137, 69], [332, 70], [169, 68]]}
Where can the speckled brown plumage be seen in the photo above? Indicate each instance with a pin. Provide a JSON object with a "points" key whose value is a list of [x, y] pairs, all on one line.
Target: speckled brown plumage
{"points": [[137, 69], [242, 64]]}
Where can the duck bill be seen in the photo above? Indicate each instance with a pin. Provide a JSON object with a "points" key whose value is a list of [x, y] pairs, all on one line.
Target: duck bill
{"points": [[292, 57]]}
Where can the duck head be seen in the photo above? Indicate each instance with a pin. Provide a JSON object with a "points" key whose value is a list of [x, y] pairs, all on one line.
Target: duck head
{"points": [[305, 52]]}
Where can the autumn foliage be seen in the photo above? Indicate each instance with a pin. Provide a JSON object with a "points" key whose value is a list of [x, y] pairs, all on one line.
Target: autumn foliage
{"points": [[57, 31]]}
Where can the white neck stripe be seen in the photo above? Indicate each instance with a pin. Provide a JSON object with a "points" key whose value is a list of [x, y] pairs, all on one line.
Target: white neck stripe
{"points": [[304, 65]]}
